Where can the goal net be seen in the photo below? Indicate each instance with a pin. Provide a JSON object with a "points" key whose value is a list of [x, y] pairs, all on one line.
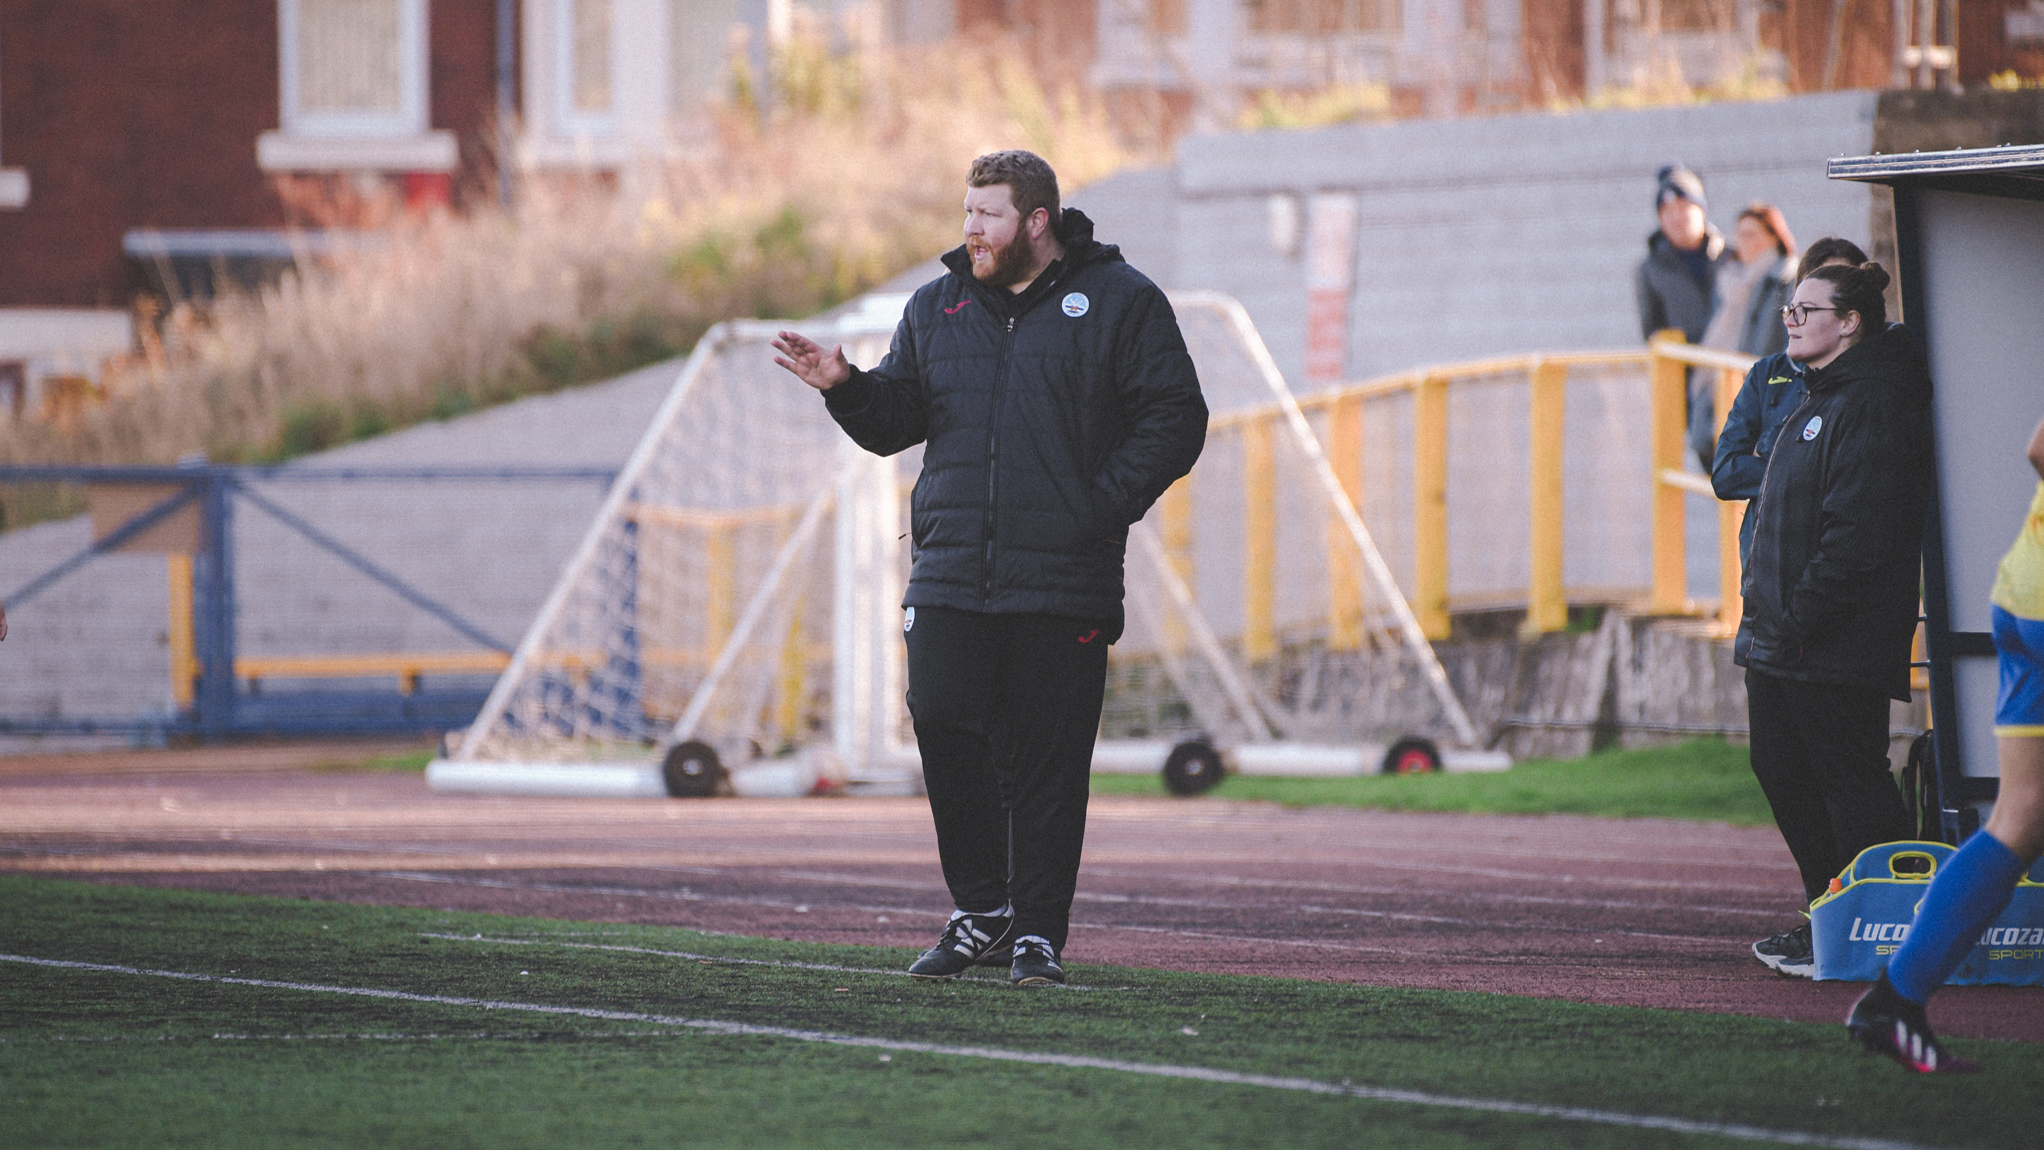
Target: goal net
{"points": [[740, 586]]}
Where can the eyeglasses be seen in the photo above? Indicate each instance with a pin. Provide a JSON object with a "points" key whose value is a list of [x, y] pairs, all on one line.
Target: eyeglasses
{"points": [[1797, 314]]}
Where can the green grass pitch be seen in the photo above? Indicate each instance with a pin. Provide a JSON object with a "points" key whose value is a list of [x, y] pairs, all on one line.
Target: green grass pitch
{"points": [[1703, 779], [528, 1032]]}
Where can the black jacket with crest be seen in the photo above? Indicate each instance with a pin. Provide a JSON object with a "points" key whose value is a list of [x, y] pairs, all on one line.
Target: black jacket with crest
{"points": [[1833, 582], [1051, 421]]}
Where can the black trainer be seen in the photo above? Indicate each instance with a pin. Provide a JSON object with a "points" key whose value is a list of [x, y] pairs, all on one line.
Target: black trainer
{"points": [[1789, 953], [1035, 963], [968, 939], [1888, 1024]]}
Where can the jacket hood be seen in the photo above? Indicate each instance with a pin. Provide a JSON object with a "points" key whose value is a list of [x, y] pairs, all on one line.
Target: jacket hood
{"points": [[1074, 230], [1891, 358]]}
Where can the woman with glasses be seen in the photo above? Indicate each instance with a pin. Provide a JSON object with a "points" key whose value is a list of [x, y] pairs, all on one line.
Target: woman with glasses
{"points": [[1831, 582], [1773, 389]]}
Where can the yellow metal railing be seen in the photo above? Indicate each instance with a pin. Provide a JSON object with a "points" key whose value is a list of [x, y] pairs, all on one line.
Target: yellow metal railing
{"points": [[1667, 374], [1665, 363], [715, 532]]}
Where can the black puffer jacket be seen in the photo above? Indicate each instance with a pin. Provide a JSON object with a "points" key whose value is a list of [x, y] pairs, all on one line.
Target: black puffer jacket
{"points": [[1833, 581], [1052, 421]]}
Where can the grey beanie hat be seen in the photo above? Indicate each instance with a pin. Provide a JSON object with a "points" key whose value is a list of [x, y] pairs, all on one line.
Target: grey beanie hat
{"points": [[1676, 180]]}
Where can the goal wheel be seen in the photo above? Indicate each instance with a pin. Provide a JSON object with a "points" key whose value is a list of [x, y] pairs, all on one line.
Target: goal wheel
{"points": [[692, 771], [1412, 757], [1192, 768]]}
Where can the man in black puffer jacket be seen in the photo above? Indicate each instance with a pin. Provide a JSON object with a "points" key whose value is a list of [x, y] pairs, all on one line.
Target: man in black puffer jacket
{"points": [[1832, 584], [1055, 399]]}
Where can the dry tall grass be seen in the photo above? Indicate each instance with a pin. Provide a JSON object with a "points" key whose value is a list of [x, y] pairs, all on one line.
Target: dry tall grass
{"points": [[855, 174]]}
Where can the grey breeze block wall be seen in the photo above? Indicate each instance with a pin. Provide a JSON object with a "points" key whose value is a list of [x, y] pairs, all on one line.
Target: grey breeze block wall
{"points": [[1477, 237]]}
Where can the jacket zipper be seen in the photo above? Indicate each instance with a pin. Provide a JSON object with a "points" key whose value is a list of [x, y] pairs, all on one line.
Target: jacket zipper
{"points": [[986, 575]]}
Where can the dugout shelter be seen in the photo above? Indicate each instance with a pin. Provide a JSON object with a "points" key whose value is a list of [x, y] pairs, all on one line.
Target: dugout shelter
{"points": [[1969, 231]]}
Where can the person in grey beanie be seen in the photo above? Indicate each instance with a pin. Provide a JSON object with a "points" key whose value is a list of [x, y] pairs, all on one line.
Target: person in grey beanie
{"points": [[1676, 284]]}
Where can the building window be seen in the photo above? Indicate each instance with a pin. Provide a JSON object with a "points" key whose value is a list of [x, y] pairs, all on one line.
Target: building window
{"points": [[1322, 17], [353, 67], [585, 62]]}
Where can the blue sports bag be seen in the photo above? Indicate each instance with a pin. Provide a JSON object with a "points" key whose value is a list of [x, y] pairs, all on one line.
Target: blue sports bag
{"points": [[1858, 923]]}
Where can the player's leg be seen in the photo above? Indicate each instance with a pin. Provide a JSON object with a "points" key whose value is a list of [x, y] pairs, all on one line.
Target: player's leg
{"points": [[954, 676], [1050, 715], [1781, 763], [1976, 882]]}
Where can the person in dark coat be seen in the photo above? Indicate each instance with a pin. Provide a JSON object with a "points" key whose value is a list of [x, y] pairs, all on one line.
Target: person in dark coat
{"points": [[1055, 399], [1675, 286], [1773, 388], [1832, 583]]}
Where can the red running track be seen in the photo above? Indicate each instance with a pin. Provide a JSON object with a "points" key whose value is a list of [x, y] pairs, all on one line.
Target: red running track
{"points": [[1630, 912]]}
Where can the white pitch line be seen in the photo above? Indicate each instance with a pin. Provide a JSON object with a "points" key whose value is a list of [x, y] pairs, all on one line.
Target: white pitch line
{"points": [[644, 892], [1295, 884], [1477, 895], [478, 1036], [1732, 1130], [712, 958], [1176, 932]]}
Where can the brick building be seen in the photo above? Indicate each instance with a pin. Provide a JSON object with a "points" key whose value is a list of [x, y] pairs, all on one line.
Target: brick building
{"points": [[152, 147]]}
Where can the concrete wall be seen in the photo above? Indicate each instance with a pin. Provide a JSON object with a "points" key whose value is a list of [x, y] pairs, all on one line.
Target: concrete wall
{"points": [[1477, 237]]}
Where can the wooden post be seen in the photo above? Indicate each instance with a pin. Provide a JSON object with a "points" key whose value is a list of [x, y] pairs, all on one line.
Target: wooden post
{"points": [[1344, 573], [1547, 599], [1668, 382], [1731, 514], [184, 659], [1430, 506], [1259, 537]]}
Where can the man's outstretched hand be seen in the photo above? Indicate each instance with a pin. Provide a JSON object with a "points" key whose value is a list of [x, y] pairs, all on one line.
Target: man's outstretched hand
{"points": [[811, 364]]}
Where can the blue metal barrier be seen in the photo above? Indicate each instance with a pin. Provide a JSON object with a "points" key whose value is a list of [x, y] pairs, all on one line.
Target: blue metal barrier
{"points": [[221, 708]]}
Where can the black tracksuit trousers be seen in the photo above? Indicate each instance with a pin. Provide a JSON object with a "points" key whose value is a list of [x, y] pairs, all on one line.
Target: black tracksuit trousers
{"points": [[1006, 709], [1820, 751]]}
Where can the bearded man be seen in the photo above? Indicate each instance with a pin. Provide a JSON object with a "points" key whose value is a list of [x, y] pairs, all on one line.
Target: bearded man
{"points": [[1055, 399]]}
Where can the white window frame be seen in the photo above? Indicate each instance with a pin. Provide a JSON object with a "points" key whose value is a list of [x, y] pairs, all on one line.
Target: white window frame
{"points": [[572, 121], [13, 189], [410, 117]]}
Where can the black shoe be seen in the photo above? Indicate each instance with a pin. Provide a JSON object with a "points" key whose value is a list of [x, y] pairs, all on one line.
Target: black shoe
{"points": [[1886, 1023], [1789, 953], [1035, 963], [968, 939]]}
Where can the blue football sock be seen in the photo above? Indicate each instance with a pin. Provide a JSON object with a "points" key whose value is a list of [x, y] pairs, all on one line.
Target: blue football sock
{"points": [[1970, 889]]}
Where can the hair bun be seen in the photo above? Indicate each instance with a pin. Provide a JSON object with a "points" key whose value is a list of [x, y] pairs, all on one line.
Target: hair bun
{"points": [[1876, 273]]}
